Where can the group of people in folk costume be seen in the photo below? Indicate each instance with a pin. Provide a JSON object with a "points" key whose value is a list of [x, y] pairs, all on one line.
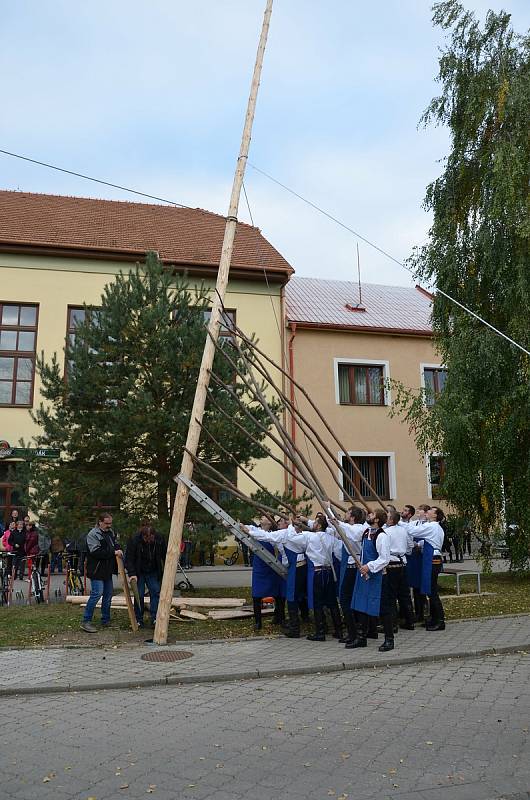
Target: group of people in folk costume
{"points": [[393, 553]]}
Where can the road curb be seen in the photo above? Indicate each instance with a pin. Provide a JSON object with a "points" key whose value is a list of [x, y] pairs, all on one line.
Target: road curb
{"points": [[257, 674]]}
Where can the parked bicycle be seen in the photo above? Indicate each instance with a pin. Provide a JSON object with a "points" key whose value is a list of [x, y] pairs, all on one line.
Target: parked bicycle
{"points": [[6, 568], [233, 558], [74, 583], [37, 585]]}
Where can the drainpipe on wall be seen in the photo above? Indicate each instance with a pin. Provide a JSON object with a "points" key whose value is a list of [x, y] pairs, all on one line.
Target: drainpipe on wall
{"points": [[292, 326]]}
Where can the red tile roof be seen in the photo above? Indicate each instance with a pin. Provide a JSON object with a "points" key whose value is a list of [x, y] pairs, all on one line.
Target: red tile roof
{"points": [[322, 303], [108, 228]]}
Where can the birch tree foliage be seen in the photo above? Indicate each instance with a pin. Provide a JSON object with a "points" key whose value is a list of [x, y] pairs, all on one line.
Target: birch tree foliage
{"points": [[478, 252]]}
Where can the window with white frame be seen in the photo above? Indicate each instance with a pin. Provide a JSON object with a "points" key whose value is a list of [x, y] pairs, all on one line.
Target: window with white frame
{"points": [[436, 475], [433, 382], [374, 478], [361, 382]]}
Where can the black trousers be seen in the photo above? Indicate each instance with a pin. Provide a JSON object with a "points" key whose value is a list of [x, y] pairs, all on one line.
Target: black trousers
{"points": [[394, 587], [324, 590], [348, 585], [300, 585], [437, 609], [345, 598]]}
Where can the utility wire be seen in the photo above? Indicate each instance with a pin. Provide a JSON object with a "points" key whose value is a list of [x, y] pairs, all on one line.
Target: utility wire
{"points": [[291, 191], [95, 180], [388, 255]]}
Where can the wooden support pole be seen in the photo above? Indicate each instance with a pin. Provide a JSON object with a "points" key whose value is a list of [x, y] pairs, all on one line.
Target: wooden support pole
{"points": [[127, 593], [246, 472], [194, 430], [228, 486], [315, 408], [310, 431], [266, 450], [291, 449]]}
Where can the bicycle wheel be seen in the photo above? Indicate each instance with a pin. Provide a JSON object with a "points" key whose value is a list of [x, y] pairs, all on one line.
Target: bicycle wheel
{"points": [[231, 560], [37, 587]]}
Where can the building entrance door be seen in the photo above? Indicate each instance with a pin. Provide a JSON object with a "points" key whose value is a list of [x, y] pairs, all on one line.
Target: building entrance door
{"points": [[10, 494]]}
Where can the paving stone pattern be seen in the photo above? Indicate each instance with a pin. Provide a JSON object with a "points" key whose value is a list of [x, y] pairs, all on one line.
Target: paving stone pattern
{"points": [[452, 730], [81, 669]]}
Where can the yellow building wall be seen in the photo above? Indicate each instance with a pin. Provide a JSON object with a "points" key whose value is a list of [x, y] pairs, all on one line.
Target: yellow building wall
{"points": [[56, 283], [364, 429]]}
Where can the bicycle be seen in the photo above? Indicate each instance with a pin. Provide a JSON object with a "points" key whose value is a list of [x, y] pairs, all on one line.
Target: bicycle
{"points": [[36, 584], [5, 579], [74, 584], [232, 559]]}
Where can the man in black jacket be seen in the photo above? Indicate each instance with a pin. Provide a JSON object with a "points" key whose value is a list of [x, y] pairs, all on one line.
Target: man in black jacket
{"points": [[101, 566], [144, 561]]}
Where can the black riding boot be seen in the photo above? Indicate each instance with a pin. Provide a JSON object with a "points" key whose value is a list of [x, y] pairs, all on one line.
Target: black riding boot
{"points": [[349, 621], [256, 603], [336, 619], [278, 616], [368, 626], [318, 635], [292, 629], [388, 627]]}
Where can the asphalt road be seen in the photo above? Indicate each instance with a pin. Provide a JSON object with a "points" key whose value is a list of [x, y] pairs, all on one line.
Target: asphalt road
{"points": [[453, 730]]}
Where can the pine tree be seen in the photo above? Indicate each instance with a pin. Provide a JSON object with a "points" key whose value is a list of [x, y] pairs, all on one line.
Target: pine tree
{"points": [[120, 415]]}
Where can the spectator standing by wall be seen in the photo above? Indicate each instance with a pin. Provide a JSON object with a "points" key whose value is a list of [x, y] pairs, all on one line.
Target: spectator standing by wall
{"points": [[5, 538], [187, 549], [31, 543], [44, 550], [17, 540], [57, 548]]}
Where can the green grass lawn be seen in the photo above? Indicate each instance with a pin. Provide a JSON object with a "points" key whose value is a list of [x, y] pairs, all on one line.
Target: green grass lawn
{"points": [[58, 624]]}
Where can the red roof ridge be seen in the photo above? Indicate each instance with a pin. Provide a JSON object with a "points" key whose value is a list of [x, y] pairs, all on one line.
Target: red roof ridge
{"points": [[353, 283], [161, 204], [425, 292]]}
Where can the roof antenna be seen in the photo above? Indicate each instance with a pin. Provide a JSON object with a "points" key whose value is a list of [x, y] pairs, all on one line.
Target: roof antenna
{"points": [[358, 306], [360, 303]]}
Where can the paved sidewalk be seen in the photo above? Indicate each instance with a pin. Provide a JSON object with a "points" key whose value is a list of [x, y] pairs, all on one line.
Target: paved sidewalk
{"points": [[84, 669]]}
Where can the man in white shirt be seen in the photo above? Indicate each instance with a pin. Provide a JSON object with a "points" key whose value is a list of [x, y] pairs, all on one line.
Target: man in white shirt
{"points": [[318, 544], [431, 533], [353, 528], [395, 587], [420, 600]]}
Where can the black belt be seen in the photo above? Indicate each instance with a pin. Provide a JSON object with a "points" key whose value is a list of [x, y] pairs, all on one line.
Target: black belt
{"points": [[437, 560], [351, 566], [319, 569], [395, 565], [301, 563]]}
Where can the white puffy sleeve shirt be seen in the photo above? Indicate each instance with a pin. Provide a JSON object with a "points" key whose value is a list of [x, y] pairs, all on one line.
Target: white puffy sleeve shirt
{"points": [[382, 545], [430, 532], [354, 533]]}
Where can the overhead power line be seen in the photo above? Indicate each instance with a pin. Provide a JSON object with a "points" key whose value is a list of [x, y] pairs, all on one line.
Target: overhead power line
{"points": [[94, 180], [388, 255], [295, 194]]}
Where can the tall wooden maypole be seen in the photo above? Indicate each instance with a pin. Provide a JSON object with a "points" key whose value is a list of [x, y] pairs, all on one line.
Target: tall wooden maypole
{"points": [[194, 431]]}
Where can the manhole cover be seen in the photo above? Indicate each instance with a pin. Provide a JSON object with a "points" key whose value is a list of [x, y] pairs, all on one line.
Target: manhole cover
{"points": [[166, 655]]}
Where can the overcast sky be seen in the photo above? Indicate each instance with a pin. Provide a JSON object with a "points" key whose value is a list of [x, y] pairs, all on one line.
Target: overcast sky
{"points": [[152, 96]]}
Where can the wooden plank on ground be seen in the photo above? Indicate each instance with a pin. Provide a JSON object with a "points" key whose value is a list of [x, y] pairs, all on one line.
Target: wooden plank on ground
{"points": [[208, 602], [186, 612]]}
